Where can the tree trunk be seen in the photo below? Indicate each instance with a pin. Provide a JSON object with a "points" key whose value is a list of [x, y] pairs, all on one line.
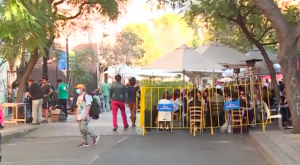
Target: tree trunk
{"points": [[272, 73], [45, 63], [292, 81], [28, 68]]}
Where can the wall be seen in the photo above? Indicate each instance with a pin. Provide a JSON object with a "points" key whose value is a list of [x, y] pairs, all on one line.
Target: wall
{"points": [[3, 83]]}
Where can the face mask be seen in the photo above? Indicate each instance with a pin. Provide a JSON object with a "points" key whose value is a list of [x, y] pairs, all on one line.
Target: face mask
{"points": [[78, 91]]}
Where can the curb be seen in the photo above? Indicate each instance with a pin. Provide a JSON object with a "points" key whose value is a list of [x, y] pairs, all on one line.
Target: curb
{"points": [[264, 151], [16, 134]]}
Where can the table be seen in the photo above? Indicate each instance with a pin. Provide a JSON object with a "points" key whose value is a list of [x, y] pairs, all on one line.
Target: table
{"points": [[15, 107]]}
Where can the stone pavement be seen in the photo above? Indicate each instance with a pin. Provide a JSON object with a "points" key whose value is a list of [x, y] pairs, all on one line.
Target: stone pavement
{"points": [[278, 147], [166, 148], [102, 126], [11, 130]]}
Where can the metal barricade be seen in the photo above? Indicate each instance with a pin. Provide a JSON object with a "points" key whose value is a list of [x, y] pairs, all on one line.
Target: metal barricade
{"points": [[209, 103]]}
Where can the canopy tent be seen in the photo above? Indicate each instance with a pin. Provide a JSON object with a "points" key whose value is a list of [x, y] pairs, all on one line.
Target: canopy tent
{"points": [[255, 54], [157, 73], [122, 69], [257, 71], [184, 59], [221, 53]]}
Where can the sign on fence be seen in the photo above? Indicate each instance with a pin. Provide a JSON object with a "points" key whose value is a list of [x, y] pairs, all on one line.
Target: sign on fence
{"points": [[231, 105], [165, 107]]}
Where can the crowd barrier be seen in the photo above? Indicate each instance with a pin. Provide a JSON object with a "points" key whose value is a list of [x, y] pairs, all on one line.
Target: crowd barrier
{"points": [[213, 109]]}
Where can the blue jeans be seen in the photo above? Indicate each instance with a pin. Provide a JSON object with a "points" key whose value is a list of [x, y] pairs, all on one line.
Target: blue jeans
{"points": [[106, 105]]}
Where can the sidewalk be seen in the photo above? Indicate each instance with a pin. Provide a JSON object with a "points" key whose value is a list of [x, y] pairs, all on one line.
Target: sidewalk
{"points": [[278, 147], [102, 126], [11, 130]]}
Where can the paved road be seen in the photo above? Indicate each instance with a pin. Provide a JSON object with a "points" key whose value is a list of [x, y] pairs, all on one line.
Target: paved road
{"points": [[102, 126], [175, 148]]}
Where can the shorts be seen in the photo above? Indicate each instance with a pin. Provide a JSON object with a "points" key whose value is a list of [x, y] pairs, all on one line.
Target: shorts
{"points": [[45, 104]]}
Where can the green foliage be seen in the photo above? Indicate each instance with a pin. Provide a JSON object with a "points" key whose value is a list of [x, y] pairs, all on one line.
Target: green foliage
{"points": [[80, 65], [171, 31], [155, 90], [233, 22], [148, 45], [22, 27], [127, 48]]}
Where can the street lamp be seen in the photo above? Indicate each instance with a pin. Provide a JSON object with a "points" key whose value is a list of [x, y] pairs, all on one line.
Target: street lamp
{"points": [[250, 64], [236, 72]]}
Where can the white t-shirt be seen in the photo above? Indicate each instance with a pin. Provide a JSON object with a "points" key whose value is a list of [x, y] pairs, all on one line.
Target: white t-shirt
{"points": [[81, 105], [15, 92]]}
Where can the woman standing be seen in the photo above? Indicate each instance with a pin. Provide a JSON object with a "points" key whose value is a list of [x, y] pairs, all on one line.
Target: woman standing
{"points": [[132, 90]]}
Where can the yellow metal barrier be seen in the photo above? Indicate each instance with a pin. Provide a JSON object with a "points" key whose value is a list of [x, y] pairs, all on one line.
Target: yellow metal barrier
{"points": [[210, 104]]}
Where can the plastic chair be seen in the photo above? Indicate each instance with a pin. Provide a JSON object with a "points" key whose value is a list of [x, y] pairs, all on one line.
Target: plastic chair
{"points": [[270, 116], [196, 119]]}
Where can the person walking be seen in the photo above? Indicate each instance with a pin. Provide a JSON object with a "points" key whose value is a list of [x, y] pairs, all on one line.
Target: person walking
{"points": [[105, 91], [36, 94], [47, 91], [84, 102], [132, 90], [63, 93], [118, 96]]}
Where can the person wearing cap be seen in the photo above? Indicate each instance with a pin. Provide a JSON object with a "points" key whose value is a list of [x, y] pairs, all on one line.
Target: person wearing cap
{"points": [[118, 96], [84, 102]]}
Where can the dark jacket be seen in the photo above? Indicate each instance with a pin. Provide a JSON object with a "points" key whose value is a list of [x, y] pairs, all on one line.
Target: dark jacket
{"points": [[118, 92], [132, 92], [35, 91]]}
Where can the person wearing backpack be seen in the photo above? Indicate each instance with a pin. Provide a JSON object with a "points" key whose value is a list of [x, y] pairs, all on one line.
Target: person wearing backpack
{"points": [[84, 107]]}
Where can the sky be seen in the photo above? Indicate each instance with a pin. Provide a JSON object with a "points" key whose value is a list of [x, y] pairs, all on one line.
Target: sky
{"points": [[140, 11]]}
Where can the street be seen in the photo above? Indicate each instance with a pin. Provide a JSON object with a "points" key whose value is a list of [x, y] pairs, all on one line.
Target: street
{"points": [[175, 148]]}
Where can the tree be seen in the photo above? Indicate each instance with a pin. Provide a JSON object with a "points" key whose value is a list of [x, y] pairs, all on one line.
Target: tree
{"points": [[127, 48], [20, 29], [288, 34], [258, 20], [80, 65], [151, 52], [48, 20], [166, 28]]}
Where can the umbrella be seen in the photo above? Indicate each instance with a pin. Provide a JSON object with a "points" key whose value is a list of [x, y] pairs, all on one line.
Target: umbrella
{"points": [[255, 54], [221, 53], [184, 59], [226, 79], [123, 70]]}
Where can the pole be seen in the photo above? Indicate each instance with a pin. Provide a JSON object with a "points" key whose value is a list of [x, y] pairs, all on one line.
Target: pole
{"points": [[67, 54]]}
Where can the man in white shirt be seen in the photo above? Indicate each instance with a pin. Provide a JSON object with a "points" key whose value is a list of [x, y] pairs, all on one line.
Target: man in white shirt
{"points": [[84, 102]]}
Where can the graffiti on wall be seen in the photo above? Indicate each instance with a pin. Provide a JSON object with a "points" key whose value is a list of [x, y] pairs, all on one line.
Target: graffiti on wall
{"points": [[3, 83]]}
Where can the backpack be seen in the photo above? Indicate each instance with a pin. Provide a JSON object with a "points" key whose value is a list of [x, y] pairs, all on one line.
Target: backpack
{"points": [[95, 109]]}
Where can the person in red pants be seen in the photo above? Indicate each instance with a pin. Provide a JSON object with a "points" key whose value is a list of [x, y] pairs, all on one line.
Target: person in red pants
{"points": [[118, 97]]}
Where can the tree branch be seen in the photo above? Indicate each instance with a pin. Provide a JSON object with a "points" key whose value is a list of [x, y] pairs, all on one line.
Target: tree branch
{"points": [[264, 33], [242, 25], [273, 13], [270, 43], [227, 18], [62, 17], [3, 61], [250, 11], [55, 4]]}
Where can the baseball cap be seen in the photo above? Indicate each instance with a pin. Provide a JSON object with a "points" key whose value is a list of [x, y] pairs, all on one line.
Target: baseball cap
{"points": [[80, 86]]}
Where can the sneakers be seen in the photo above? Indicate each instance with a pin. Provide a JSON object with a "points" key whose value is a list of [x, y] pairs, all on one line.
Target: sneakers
{"points": [[95, 140], [83, 144]]}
